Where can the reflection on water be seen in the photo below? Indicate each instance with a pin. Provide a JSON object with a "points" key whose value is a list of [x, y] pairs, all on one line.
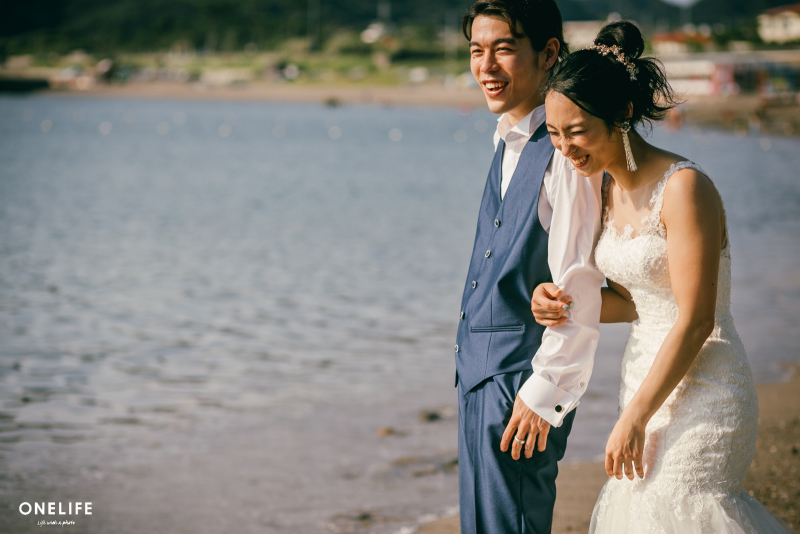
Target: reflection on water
{"points": [[219, 316]]}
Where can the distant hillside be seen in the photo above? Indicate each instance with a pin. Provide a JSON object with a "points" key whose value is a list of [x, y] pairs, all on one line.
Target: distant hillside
{"points": [[140, 25], [216, 24], [220, 24]]}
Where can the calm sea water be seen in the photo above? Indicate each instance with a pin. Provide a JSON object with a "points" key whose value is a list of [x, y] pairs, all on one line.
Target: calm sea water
{"points": [[239, 317]]}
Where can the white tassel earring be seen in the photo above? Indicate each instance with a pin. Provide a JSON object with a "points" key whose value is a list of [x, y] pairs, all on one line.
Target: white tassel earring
{"points": [[626, 127]]}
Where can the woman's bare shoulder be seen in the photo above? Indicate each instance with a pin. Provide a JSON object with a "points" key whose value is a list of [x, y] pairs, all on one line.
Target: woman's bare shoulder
{"points": [[690, 195]]}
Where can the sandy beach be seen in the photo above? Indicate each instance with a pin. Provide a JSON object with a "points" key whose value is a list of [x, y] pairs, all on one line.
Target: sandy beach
{"points": [[772, 479], [424, 94]]}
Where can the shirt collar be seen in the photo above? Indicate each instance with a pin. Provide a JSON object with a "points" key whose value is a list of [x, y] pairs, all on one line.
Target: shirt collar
{"points": [[523, 129]]}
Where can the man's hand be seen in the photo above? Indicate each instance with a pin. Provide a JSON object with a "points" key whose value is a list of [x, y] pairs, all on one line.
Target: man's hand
{"points": [[526, 426], [547, 305]]}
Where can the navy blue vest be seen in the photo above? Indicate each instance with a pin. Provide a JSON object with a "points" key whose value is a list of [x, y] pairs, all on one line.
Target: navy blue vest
{"points": [[497, 332]]}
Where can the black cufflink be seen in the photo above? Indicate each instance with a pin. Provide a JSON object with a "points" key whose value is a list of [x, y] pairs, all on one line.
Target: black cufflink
{"points": [[559, 408]]}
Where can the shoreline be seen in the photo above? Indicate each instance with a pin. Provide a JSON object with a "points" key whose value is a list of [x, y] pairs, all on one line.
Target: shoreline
{"points": [[330, 95], [753, 115], [772, 478]]}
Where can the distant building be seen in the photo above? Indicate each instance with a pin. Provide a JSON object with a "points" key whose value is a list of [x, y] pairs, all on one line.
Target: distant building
{"points": [[768, 73], [693, 76], [675, 43], [780, 25]]}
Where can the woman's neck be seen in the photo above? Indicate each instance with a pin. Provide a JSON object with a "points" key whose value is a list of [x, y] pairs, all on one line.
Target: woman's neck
{"points": [[643, 153]]}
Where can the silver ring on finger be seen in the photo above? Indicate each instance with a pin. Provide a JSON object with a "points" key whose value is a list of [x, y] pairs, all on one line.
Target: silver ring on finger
{"points": [[520, 441]]}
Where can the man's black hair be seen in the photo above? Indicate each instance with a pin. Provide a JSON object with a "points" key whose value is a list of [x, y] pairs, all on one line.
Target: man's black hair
{"points": [[539, 20]]}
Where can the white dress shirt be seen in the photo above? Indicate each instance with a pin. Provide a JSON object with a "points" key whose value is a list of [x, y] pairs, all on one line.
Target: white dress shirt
{"points": [[569, 210]]}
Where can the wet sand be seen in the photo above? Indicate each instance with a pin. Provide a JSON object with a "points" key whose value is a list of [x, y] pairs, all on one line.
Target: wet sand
{"points": [[772, 479]]}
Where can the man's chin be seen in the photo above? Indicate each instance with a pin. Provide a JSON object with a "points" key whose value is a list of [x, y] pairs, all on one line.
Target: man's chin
{"points": [[496, 106]]}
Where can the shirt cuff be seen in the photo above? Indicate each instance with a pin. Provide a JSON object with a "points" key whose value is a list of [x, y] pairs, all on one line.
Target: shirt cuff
{"points": [[547, 400]]}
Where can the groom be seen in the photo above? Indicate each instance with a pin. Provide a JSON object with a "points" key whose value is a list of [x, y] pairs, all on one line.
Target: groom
{"points": [[518, 383]]}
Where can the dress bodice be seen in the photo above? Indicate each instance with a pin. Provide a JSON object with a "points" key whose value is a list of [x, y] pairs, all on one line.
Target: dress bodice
{"points": [[639, 263]]}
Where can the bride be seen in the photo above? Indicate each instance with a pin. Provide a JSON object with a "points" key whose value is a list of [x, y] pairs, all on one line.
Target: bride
{"points": [[686, 433]]}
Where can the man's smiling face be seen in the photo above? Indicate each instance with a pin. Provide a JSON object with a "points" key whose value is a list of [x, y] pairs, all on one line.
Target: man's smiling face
{"points": [[506, 67]]}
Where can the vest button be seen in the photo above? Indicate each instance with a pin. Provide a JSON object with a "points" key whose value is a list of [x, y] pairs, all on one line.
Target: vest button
{"points": [[456, 348], [497, 223], [474, 284], [463, 315], [488, 253]]}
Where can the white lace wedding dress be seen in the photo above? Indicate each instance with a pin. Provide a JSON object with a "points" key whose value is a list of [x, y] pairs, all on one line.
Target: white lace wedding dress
{"points": [[700, 443]]}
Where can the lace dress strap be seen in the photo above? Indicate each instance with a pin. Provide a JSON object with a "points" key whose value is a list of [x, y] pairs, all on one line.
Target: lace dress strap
{"points": [[653, 223]]}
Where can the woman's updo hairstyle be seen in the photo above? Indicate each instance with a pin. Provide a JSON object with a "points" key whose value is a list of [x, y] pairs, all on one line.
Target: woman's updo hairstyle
{"points": [[602, 85]]}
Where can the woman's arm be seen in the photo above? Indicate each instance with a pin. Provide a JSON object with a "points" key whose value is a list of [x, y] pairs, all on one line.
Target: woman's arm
{"points": [[692, 214], [547, 305], [618, 306]]}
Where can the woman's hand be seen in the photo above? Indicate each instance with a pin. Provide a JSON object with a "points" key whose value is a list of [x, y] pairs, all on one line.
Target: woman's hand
{"points": [[549, 305], [625, 448]]}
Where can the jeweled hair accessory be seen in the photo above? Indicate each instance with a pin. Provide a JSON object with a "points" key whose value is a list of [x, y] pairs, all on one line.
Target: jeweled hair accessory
{"points": [[617, 51]]}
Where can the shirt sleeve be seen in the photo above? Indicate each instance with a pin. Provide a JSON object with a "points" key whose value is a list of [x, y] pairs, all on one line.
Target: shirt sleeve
{"points": [[563, 364]]}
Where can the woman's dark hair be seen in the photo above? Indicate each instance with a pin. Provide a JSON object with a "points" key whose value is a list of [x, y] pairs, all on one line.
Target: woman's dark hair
{"points": [[540, 20], [602, 86]]}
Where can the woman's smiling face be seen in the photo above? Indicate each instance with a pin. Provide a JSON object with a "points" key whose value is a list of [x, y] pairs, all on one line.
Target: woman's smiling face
{"points": [[579, 135]]}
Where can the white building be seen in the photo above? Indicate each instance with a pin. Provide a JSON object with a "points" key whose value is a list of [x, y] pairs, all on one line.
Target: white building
{"points": [[780, 25], [681, 42]]}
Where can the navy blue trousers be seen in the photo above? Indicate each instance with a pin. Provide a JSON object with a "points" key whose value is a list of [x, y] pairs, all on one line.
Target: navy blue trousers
{"points": [[497, 494]]}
